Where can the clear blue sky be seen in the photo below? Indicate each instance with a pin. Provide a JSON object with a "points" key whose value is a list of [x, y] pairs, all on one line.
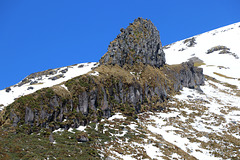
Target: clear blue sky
{"points": [[36, 35]]}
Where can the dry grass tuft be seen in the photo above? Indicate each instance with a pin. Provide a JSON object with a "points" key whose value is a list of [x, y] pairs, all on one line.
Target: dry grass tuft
{"points": [[221, 75], [197, 64], [62, 92]]}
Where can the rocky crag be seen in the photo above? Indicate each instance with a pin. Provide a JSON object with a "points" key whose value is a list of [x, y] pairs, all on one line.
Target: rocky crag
{"points": [[139, 42], [132, 77]]}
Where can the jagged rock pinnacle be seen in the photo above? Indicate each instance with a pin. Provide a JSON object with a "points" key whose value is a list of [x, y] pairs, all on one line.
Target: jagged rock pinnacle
{"points": [[139, 42]]}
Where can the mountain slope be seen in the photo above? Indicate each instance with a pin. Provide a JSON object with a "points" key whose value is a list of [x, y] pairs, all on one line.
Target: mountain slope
{"points": [[217, 52], [195, 123], [43, 79]]}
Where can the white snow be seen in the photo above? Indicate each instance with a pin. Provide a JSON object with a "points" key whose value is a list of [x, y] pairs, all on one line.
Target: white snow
{"points": [[95, 73], [64, 87], [167, 132], [127, 157], [81, 128], [132, 126], [117, 116], [153, 151], [58, 130]]}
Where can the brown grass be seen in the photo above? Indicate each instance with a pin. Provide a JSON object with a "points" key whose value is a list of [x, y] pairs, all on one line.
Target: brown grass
{"points": [[36, 84], [116, 71], [224, 76], [1, 116], [197, 64], [62, 92]]}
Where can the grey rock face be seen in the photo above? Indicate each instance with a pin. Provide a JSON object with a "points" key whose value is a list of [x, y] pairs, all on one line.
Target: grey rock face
{"points": [[190, 42], [83, 103], [105, 106], [51, 139], [64, 70], [8, 89], [14, 118], [30, 88], [56, 77], [29, 116], [139, 42], [189, 76], [33, 82], [54, 102], [81, 66], [82, 138], [93, 99]]}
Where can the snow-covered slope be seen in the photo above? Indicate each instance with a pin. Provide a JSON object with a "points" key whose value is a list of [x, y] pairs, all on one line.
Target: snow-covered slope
{"points": [[43, 79], [223, 64], [197, 125]]}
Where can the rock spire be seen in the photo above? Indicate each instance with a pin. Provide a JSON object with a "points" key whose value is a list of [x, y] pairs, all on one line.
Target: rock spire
{"points": [[139, 42]]}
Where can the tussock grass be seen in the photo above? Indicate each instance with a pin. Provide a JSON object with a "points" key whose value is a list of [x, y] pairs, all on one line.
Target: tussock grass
{"points": [[198, 64], [222, 75], [61, 91], [233, 87], [36, 84], [210, 65], [116, 71], [37, 146], [2, 119]]}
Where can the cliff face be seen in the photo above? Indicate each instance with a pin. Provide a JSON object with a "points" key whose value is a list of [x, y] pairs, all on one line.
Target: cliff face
{"points": [[139, 42], [91, 98], [132, 78]]}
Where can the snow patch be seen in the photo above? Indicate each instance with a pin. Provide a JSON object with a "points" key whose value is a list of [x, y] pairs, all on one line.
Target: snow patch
{"points": [[65, 87], [95, 73], [117, 116], [81, 128]]}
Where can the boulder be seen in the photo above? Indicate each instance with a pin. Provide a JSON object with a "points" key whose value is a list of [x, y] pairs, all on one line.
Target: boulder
{"points": [[29, 88], [8, 89], [82, 138]]}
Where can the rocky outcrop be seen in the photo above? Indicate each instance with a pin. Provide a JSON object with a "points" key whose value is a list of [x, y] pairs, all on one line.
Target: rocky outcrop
{"points": [[139, 42], [132, 78], [190, 76], [190, 42], [8, 89], [101, 98], [82, 138], [222, 50]]}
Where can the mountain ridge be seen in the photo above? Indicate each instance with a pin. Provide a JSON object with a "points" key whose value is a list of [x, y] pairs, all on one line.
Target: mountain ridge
{"points": [[91, 96], [141, 111]]}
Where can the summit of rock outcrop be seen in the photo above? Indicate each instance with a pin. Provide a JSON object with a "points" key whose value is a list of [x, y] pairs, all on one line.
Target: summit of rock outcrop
{"points": [[139, 42]]}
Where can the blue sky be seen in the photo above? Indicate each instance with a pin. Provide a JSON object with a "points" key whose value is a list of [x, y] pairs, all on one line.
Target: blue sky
{"points": [[36, 35]]}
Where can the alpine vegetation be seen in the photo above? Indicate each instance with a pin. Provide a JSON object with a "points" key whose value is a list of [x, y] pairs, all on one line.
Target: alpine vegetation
{"points": [[140, 101]]}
